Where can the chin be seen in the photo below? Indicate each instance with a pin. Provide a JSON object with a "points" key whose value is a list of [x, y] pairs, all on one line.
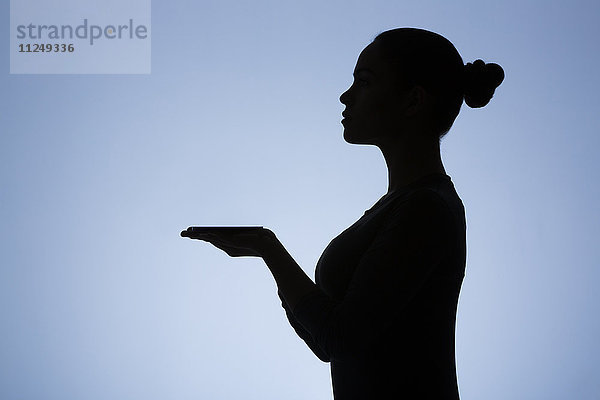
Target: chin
{"points": [[350, 139], [353, 138]]}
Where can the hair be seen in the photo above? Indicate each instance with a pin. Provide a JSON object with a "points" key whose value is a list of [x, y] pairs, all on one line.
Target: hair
{"points": [[431, 61]]}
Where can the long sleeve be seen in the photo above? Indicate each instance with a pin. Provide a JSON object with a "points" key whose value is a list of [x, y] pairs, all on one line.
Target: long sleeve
{"points": [[405, 254], [301, 332]]}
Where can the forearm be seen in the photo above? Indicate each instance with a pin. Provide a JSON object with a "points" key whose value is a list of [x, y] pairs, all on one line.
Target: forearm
{"points": [[292, 281]]}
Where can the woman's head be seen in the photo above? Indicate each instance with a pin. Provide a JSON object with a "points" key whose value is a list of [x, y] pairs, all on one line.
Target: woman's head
{"points": [[420, 66]]}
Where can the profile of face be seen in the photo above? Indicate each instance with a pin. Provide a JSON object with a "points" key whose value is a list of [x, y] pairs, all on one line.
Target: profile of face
{"points": [[374, 102]]}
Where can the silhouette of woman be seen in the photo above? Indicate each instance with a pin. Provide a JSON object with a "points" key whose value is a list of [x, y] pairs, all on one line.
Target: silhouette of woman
{"points": [[383, 309]]}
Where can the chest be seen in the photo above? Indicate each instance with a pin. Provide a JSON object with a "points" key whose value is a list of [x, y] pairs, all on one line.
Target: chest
{"points": [[340, 259]]}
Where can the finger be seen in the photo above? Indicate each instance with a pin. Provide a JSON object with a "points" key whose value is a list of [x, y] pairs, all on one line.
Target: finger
{"points": [[196, 235], [191, 234], [225, 243], [231, 252]]}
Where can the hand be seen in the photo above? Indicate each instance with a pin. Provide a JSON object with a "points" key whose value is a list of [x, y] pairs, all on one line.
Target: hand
{"points": [[251, 243]]}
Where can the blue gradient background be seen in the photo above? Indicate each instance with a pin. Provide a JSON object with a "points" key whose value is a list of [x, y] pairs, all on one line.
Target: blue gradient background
{"points": [[239, 123]]}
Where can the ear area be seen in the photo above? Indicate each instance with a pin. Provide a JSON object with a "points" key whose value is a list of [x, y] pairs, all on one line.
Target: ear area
{"points": [[416, 100]]}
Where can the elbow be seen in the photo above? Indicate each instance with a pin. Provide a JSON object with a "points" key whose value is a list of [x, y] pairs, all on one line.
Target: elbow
{"points": [[345, 345], [323, 357]]}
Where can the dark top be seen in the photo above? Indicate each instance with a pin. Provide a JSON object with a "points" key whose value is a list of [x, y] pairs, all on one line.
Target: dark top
{"points": [[383, 311]]}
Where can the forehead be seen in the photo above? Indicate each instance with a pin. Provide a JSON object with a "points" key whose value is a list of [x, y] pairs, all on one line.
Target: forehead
{"points": [[370, 59]]}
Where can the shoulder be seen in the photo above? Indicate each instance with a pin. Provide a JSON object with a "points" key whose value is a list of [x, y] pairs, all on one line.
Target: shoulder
{"points": [[422, 212], [421, 201]]}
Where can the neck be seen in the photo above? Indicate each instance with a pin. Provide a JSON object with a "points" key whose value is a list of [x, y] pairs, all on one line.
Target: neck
{"points": [[411, 160]]}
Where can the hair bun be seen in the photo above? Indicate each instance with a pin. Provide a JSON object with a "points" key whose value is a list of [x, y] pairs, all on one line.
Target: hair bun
{"points": [[480, 82]]}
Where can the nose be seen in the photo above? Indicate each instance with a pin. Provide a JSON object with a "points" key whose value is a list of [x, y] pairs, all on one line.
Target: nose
{"points": [[344, 97]]}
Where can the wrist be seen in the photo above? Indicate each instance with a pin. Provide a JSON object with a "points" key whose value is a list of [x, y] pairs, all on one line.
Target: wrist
{"points": [[270, 248]]}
